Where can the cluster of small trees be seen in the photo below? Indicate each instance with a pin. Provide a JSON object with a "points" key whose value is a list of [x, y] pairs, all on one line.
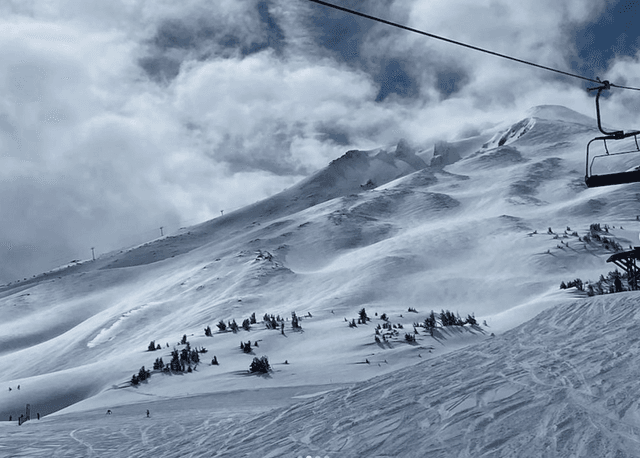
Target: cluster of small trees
{"points": [[232, 325], [595, 229], [577, 283], [277, 322], [432, 321], [387, 330], [183, 360], [607, 242], [260, 365], [362, 318], [246, 347], [389, 326], [272, 322], [187, 359], [594, 235], [447, 318], [158, 365], [612, 283], [141, 376]]}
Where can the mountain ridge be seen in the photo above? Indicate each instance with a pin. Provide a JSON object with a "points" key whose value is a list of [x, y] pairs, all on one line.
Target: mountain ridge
{"points": [[379, 229]]}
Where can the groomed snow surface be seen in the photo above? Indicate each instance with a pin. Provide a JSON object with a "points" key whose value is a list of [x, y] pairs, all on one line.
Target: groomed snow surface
{"points": [[545, 373]]}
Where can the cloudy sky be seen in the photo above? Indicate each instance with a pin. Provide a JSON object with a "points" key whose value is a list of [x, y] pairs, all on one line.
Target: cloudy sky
{"points": [[118, 117]]}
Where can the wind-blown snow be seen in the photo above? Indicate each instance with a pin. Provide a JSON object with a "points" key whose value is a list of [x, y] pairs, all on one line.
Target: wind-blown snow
{"points": [[375, 229]]}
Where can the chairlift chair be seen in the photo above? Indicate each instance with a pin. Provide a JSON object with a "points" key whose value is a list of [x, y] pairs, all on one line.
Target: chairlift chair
{"points": [[608, 179]]}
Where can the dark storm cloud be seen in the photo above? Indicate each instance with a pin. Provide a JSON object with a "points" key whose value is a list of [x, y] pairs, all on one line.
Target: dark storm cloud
{"points": [[349, 38], [161, 67], [451, 81], [334, 133], [208, 37], [393, 79], [274, 36]]}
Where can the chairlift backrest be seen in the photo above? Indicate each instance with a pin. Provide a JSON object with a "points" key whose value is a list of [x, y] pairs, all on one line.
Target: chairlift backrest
{"points": [[609, 179]]}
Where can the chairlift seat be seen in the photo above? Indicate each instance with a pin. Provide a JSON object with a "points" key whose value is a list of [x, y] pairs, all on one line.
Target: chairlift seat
{"points": [[610, 179]]}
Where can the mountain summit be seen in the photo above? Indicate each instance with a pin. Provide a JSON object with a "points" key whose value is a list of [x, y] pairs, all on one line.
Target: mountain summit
{"points": [[357, 255]]}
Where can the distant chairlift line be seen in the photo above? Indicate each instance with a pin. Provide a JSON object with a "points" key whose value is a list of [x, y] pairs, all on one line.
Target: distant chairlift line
{"points": [[609, 179]]}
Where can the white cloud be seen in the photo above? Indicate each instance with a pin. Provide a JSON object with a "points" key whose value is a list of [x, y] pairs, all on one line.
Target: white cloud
{"points": [[95, 147]]}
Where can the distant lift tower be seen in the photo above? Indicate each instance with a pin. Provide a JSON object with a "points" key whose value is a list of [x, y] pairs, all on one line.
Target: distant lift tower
{"points": [[626, 260]]}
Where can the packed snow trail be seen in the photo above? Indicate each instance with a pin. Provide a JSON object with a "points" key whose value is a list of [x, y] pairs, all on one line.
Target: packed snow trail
{"points": [[563, 384]]}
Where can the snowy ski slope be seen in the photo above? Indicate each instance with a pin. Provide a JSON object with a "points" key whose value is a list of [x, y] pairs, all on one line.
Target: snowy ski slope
{"points": [[376, 229]]}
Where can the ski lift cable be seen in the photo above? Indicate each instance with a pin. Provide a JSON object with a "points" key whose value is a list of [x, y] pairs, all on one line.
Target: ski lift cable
{"points": [[475, 48]]}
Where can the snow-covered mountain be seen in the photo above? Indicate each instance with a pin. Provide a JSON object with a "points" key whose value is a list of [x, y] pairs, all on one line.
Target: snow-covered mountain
{"points": [[488, 225]]}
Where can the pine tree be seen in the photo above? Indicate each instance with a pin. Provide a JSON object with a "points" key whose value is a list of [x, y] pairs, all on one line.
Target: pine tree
{"points": [[158, 365], [471, 319], [252, 319], [246, 324], [207, 331], [185, 356], [143, 374], [221, 325], [430, 322], [295, 323], [184, 339], [260, 365], [175, 364], [152, 346], [363, 316]]}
